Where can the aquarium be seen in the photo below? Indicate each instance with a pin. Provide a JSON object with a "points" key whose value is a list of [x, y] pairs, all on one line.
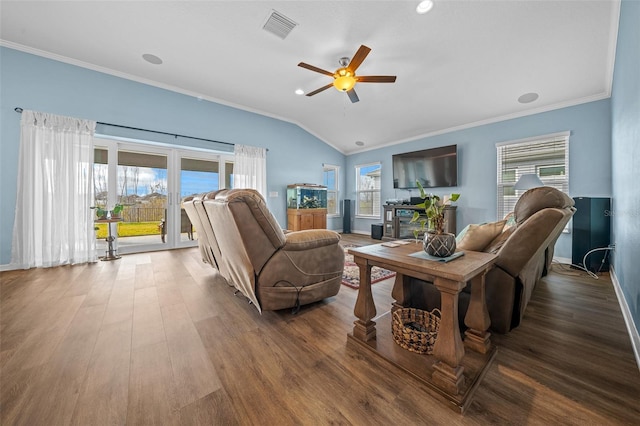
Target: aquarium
{"points": [[306, 196]]}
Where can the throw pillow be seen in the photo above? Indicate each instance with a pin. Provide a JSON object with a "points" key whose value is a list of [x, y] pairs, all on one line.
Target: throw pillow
{"points": [[511, 220], [477, 237], [497, 243], [461, 234]]}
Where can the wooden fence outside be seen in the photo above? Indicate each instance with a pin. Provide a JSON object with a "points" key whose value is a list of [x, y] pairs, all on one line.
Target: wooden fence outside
{"points": [[142, 214]]}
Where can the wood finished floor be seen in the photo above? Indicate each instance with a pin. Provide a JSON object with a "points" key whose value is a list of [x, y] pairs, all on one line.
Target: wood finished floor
{"points": [[160, 338]]}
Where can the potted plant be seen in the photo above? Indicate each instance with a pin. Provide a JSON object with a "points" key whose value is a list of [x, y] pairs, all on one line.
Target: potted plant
{"points": [[100, 212], [436, 241], [117, 209]]}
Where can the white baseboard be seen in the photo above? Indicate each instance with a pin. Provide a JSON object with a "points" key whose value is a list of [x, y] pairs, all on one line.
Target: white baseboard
{"points": [[8, 267], [626, 313]]}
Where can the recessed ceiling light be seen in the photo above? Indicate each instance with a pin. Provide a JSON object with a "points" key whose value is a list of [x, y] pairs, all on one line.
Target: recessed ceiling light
{"points": [[299, 92], [528, 98], [424, 6], [152, 59], [359, 143]]}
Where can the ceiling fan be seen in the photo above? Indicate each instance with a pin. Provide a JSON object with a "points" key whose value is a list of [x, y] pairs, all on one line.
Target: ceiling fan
{"points": [[344, 78]]}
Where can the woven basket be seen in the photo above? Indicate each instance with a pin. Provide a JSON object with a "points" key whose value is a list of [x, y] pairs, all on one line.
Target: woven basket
{"points": [[415, 330]]}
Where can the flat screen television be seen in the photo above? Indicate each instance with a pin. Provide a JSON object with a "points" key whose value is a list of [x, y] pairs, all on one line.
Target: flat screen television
{"points": [[434, 168]]}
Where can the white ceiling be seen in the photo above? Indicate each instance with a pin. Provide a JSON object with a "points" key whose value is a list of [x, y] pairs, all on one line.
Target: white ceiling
{"points": [[464, 63]]}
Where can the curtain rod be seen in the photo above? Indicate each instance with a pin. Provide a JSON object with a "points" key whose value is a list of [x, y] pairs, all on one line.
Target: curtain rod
{"points": [[19, 111]]}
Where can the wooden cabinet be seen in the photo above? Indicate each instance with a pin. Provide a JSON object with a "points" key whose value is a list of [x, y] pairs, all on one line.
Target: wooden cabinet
{"points": [[299, 219], [397, 221], [306, 206]]}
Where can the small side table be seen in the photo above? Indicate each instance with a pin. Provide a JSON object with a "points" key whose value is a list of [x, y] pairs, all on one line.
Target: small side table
{"points": [[110, 254]]}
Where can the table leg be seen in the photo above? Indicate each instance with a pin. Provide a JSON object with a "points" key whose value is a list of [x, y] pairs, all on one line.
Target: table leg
{"points": [[110, 254], [477, 319], [449, 349], [365, 309], [400, 292]]}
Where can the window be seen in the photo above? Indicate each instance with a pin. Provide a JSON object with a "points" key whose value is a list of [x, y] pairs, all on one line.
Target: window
{"points": [[368, 190], [228, 174], [330, 180], [545, 156]]}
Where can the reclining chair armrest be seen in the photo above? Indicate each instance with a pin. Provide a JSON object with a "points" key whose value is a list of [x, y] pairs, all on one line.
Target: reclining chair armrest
{"points": [[310, 239]]}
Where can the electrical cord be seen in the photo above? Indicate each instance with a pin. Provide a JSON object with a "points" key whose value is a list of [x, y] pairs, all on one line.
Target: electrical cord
{"points": [[604, 259], [584, 261], [296, 307]]}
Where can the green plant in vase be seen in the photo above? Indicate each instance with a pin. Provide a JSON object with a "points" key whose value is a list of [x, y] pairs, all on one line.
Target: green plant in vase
{"points": [[117, 209], [422, 221], [436, 241], [100, 212]]}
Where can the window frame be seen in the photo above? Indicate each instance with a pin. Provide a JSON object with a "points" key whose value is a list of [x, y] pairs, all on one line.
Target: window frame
{"points": [[526, 156], [332, 191], [373, 192]]}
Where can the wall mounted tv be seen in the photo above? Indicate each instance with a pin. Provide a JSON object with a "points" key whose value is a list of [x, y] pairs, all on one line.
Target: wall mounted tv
{"points": [[434, 168]]}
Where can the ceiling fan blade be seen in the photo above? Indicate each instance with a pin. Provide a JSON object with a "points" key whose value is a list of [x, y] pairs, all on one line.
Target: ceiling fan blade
{"points": [[376, 78], [357, 59], [316, 69], [353, 96], [315, 92]]}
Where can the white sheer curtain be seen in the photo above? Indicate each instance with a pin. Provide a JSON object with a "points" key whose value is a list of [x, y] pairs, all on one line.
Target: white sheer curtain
{"points": [[250, 168], [53, 222]]}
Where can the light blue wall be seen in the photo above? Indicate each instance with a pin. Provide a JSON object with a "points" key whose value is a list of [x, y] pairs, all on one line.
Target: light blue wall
{"points": [[589, 158], [625, 112], [294, 155], [40, 84]]}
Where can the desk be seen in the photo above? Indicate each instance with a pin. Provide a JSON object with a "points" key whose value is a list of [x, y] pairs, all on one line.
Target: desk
{"points": [[110, 254], [448, 373]]}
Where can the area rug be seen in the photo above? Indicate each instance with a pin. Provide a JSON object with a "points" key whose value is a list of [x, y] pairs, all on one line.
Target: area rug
{"points": [[351, 272]]}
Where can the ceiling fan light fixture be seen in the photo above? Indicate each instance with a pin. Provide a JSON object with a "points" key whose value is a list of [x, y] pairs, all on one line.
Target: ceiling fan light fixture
{"points": [[344, 84], [344, 80]]}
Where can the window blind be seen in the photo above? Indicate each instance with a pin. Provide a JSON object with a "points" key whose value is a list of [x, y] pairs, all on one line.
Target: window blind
{"points": [[545, 156]]}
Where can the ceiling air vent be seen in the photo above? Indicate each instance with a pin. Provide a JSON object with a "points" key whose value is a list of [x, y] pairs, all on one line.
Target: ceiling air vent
{"points": [[279, 25]]}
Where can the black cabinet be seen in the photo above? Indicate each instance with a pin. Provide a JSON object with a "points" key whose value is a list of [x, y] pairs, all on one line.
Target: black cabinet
{"points": [[591, 230]]}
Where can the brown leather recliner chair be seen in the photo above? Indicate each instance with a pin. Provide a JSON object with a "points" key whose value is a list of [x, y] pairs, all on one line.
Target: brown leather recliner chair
{"points": [[524, 251], [206, 248], [273, 269]]}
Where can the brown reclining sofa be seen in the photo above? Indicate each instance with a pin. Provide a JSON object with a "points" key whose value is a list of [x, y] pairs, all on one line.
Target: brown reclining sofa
{"points": [[524, 250], [274, 269]]}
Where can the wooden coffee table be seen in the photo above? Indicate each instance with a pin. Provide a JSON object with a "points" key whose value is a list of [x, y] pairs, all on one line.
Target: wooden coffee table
{"points": [[450, 374]]}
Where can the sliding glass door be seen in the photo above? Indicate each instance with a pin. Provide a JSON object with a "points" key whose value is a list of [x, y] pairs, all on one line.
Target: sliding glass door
{"points": [[151, 183], [142, 191], [198, 174]]}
